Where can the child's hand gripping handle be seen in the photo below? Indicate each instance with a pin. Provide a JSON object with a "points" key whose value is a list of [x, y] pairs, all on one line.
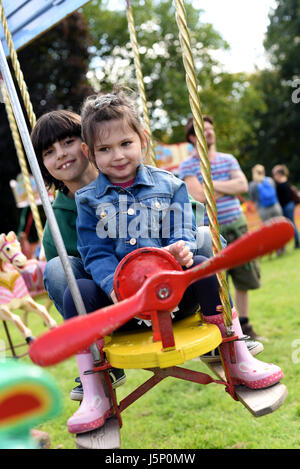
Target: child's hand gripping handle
{"points": [[80, 332]]}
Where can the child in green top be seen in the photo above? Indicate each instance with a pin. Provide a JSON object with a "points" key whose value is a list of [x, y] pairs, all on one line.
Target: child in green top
{"points": [[56, 139]]}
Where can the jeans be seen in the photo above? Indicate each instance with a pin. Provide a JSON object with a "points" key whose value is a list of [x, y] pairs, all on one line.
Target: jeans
{"points": [[204, 292], [55, 281], [288, 212]]}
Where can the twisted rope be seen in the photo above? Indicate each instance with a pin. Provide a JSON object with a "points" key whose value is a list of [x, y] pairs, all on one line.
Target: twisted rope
{"points": [[22, 162], [139, 74], [17, 68], [194, 100], [12, 122]]}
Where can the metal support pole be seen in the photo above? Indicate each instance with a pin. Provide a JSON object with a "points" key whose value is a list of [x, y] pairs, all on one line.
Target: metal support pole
{"points": [[21, 123]]}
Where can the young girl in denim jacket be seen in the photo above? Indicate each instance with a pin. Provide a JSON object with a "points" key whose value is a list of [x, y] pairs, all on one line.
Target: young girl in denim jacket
{"points": [[131, 205]]}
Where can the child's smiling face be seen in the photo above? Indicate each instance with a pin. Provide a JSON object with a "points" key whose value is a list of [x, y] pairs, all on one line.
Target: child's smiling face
{"points": [[118, 150], [65, 160]]}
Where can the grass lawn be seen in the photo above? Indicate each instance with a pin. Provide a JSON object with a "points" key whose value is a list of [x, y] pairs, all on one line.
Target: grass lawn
{"points": [[181, 415]]}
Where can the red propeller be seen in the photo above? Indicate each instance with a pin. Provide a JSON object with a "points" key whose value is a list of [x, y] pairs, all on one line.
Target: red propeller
{"points": [[80, 332]]}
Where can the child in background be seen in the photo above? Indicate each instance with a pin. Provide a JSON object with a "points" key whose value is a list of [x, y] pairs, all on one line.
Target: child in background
{"points": [[262, 191], [280, 175], [131, 206]]}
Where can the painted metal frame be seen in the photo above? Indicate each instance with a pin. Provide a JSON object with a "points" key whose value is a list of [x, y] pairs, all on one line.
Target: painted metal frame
{"points": [[28, 19]]}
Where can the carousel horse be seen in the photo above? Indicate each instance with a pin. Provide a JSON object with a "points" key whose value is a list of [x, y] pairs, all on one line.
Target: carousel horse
{"points": [[33, 273], [14, 293]]}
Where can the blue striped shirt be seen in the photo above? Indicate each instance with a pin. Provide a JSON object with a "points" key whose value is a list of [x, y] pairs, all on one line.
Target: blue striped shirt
{"points": [[228, 206]]}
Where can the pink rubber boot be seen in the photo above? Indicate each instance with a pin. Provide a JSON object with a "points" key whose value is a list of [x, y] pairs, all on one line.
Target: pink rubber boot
{"points": [[246, 370], [96, 405]]}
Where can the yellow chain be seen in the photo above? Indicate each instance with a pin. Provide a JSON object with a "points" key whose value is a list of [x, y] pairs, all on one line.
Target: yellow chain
{"points": [[139, 74], [194, 99]]}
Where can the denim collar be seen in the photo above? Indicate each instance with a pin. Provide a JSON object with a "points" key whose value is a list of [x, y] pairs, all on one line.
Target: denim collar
{"points": [[143, 177]]}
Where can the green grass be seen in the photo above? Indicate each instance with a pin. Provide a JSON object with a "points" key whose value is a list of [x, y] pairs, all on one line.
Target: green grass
{"points": [[181, 415]]}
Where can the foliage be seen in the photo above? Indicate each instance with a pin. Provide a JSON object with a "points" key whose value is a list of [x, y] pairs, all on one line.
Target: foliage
{"points": [[283, 38], [160, 55], [278, 122], [255, 117], [232, 100], [63, 53], [54, 68], [283, 44]]}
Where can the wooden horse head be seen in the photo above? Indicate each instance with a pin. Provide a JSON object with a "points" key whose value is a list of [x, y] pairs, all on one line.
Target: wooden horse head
{"points": [[10, 251], [14, 292]]}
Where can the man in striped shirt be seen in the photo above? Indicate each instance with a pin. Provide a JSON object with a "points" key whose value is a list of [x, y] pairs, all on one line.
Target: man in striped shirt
{"points": [[228, 182]]}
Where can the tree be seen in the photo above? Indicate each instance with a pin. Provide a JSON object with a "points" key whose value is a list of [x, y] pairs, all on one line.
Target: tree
{"points": [[283, 38], [232, 100], [280, 122], [161, 57], [267, 107], [54, 68], [257, 143]]}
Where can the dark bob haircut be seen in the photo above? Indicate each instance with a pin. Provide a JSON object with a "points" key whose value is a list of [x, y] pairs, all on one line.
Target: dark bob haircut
{"points": [[50, 128]]}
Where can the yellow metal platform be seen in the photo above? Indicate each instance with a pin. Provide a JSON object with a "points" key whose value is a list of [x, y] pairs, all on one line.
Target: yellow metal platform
{"points": [[136, 349]]}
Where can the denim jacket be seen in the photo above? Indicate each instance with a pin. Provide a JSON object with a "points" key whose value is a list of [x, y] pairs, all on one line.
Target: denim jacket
{"points": [[113, 221]]}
